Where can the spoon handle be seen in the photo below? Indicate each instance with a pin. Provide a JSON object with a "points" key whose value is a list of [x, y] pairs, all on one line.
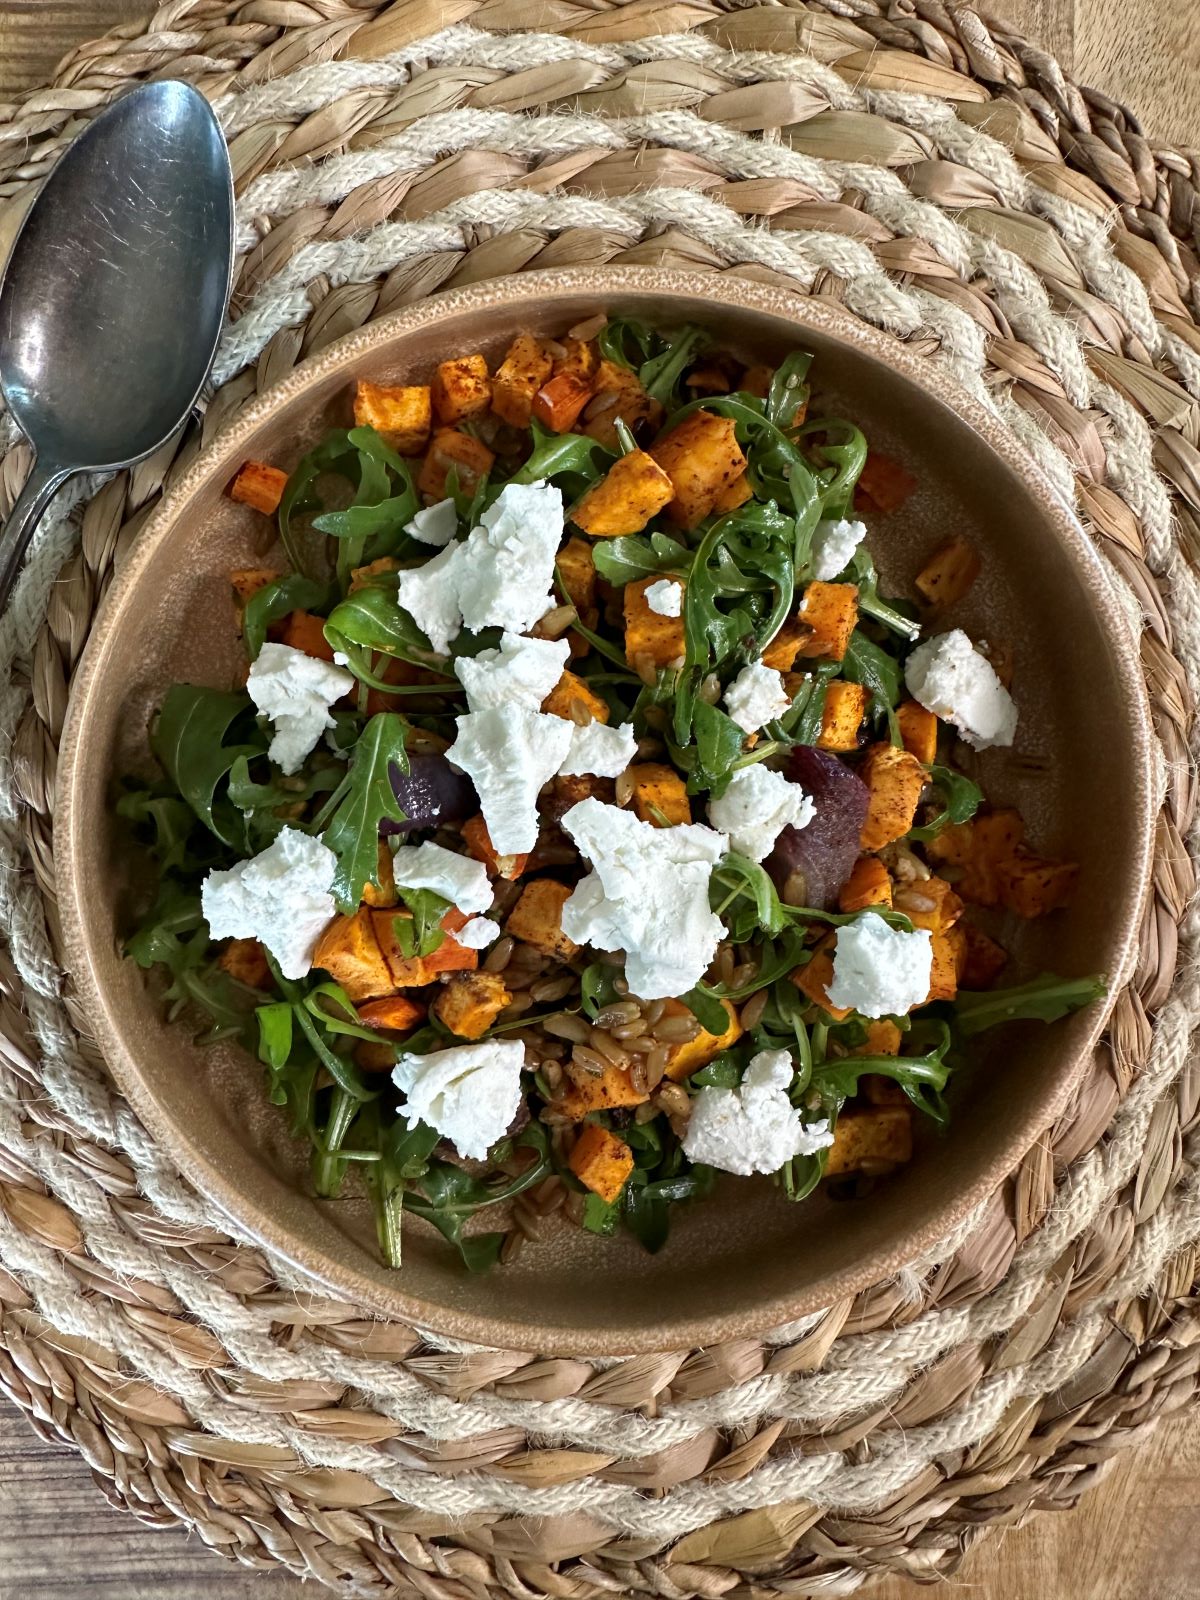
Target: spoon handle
{"points": [[44, 478]]}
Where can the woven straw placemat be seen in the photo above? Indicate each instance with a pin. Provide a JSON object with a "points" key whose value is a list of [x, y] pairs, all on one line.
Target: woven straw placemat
{"points": [[946, 181]]}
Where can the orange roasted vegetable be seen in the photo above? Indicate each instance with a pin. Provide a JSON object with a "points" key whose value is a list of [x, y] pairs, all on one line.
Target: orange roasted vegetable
{"points": [[525, 368], [246, 961], [689, 1055], [870, 1137], [869, 884], [841, 715], [632, 491], [918, 730], [305, 632], [583, 1092], [559, 401], [895, 780], [659, 794], [470, 1002], [949, 572], [259, 486], [702, 457], [479, 844], [814, 978], [884, 484], [537, 919], [829, 612], [649, 635], [400, 414], [601, 1161], [573, 700], [461, 389], [451, 451], [247, 581], [395, 1014]]}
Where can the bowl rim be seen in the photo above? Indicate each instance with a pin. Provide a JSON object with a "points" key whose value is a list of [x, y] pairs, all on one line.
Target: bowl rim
{"points": [[253, 1219]]}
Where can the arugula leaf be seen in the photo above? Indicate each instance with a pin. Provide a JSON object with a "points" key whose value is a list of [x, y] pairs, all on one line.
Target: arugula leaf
{"points": [[961, 799], [802, 723], [448, 1196], [1044, 999], [421, 933], [384, 498], [660, 375], [632, 556], [718, 744], [275, 1033], [722, 1072], [601, 1216], [191, 738], [877, 671], [872, 604], [363, 799], [166, 824], [175, 935], [557, 455], [789, 389], [922, 1077], [616, 337], [743, 896], [291, 592], [707, 1009], [598, 986], [270, 807], [371, 619]]}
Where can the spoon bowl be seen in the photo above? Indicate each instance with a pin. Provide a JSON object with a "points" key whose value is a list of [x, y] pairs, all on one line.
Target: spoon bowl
{"points": [[115, 294]]}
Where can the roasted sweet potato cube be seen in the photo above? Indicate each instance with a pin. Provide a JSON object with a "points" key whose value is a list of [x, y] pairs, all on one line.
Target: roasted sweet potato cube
{"points": [[604, 1091], [385, 893], [949, 959], [578, 573], [869, 884], [883, 1039], [376, 1055], [659, 794], [841, 715], [756, 380], [247, 581], [813, 979], [572, 699], [879, 1090], [1032, 886], [537, 919], [715, 376], [470, 1002], [689, 1055], [783, 649], [396, 1014], [648, 634], [871, 1137], [305, 632], [260, 486], [525, 368], [978, 848], [949, 572], [884, 484], [929, 903], [918, 730], [360, 577], [601, 1161], [634, 489], [559, 401], [829, 612], [733, 495], [453, 452], [895, 780], [349, 951], [701, 456], [580, 357], [617, 394], [984, 960], [479, 844], [461, 388], [411, 972], [245, 960], [400, 413]]}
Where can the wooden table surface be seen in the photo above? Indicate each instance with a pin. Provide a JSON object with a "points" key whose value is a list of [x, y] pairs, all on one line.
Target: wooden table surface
{"points": [[1134, 1538]]}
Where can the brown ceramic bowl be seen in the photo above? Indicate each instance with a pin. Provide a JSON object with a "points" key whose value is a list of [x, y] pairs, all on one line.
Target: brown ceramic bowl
{"points": [[746, 1259]]}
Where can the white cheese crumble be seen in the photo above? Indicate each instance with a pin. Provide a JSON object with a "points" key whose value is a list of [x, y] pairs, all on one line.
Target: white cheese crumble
{"points": [[469, 1093], [880, 971], [756, 696], [280, 897], [647, 894], [758, 804], [508, 564], [436, 524], [460, 879], [509, 752], [522, 671], [429, 594], [665, 597], [295, 691], [755, 1127], [478, 933], [948, 676], [834, 544], [603, 751]]}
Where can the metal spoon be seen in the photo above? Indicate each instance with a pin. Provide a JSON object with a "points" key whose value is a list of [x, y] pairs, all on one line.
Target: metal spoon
{"points": [[114, 295]]}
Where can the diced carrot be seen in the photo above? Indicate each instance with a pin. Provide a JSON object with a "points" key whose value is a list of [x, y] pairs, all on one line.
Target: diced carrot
{"points": [[259, 486], [841, 715], [647, 633], [411, 972], [689, 1055], [829, 612], [526, 366], [659, 793], [584, 1092], [246, 961], [572, 691], [632, 491], [470, 1002], [895, 780], [702, 457], [537, 919], [949, 572], [814, 978]]}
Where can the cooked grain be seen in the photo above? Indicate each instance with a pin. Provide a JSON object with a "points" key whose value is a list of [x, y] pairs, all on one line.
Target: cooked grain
{"points": [[514, 1243], [753, 1009], [653, 1011], [499, 955], [608, 1047], [546, 989], [677, 1030], [639, 1077], [569, 1027], [589, 1061], [623, 788], [581, 715], [628, 1030], [710, 689], [656, 1061], [625, 1011], [644, 665], [556, 622], [674, 1099], [724, 964]]}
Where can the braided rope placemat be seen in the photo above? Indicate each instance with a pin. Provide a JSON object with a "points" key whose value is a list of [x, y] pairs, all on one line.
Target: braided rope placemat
{"points": [[944, 180]]}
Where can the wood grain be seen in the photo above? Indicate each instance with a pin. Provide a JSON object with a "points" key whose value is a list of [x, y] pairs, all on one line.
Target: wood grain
{"points": [[1134, 1536]]}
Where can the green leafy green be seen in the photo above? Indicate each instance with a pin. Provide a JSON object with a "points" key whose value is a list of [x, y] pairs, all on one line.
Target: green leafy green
{"points": [[638, 555], [198, 736], [707, 1009], [421, 933], [563, 455], [1043, 999], [960, 800], [276, 600], [361, 802]]}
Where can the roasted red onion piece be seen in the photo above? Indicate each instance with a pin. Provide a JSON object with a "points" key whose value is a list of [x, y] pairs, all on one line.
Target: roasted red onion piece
{"points": [[809, 865], [431, 793]]}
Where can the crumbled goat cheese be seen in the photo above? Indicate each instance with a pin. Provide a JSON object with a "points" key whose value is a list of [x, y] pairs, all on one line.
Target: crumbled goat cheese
{"points": [[459, 879], [296, 692], [603, 751], [665, 597], [280, 897], [758, 804], [429, 594], [509, 752], [756, 696], [435, 524], [522, 671], [478, 933], [880, 971], [647, 894], [834, 544], [508, 567], [469, 1093], [948, 676], [755, 1127]]}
